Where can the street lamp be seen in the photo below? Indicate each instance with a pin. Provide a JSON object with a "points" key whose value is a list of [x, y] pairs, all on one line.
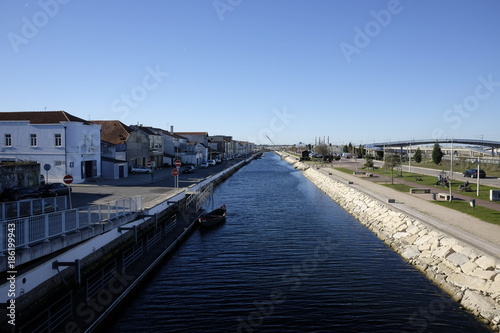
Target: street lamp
{"points": [[478, 164], [451, 169]]}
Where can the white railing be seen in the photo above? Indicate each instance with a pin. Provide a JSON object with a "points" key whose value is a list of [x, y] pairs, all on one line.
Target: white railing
{"points": [[29, 207], [34, 229]]}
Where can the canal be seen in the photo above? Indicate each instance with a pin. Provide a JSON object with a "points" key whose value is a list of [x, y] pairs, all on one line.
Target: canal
{"points": [[287, 259]]}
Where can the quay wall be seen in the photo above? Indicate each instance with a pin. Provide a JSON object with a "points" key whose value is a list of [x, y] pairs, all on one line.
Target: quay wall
{"points": [[469, 276], [103, 256]]}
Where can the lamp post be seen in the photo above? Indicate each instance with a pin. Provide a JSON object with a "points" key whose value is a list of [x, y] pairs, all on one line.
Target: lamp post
{"points": [[477, 174], [478, 164], [451, 169]]}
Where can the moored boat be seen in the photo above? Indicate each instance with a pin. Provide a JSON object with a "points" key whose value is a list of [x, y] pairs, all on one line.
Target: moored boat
{"points": [[214, 217]]}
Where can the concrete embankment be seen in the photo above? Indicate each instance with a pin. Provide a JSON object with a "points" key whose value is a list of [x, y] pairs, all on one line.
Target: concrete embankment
{"points": [[96, 276], [470, 276]]}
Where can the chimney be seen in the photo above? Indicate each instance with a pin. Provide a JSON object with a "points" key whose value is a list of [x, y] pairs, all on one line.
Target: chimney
{"points": [[172, 129]]}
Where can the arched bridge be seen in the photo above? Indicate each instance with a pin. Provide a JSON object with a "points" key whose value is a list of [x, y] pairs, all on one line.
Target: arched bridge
{"points": [[407, 143]]}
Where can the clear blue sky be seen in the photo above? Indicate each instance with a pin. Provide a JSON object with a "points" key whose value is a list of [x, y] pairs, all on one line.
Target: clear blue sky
{"points": [[354, 71]]}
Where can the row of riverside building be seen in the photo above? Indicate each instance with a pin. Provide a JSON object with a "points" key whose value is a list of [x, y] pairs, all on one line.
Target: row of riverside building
{"points": [[63, 144]]}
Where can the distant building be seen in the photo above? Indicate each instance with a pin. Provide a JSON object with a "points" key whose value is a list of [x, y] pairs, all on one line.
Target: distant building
{"points": [[60, 142]]}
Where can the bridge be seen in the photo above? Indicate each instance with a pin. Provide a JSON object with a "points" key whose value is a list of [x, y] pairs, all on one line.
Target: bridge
{"points": [[411, 143]]}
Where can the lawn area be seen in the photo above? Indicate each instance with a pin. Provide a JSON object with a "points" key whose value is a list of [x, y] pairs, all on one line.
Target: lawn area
{"points": [[398, 187], [482, 213], [485, 214]]}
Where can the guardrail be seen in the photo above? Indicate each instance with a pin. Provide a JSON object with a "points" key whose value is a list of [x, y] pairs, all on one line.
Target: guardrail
{"points": [[35, 229], [29, 207]]}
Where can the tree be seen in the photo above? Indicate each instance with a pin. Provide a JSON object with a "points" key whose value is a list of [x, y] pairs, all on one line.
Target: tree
{"points": [[392, 161], [321, 149], [437, 154], [369, 162], [361, 151], [418, 156]]}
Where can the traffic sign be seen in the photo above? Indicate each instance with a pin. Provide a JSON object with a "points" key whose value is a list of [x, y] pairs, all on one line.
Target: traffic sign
{"points": [[149, 163], [68, 179], [178, 163], [175, 172]]}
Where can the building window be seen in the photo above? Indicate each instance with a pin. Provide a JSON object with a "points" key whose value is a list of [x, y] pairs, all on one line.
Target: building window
{"points": [[58, 163], [58, 140], [8, 140], [33, 140]]}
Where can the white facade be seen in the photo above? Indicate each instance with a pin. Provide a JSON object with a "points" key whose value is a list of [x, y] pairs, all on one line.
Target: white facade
{"points": [[67, 147]]}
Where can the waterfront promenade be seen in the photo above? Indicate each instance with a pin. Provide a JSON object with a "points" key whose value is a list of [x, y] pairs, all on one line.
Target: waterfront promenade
{"points": [[482, 235]]}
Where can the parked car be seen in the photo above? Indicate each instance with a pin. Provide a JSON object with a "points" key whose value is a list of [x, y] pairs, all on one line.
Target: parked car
{"points": [[18, 193], [204, 165], [472, 173], [140, 169], [54, 189], [188, 169], [211, 162]]}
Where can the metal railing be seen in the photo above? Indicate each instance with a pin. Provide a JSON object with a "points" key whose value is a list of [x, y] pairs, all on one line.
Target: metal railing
{"points": [[35, 229], [29, 207]]}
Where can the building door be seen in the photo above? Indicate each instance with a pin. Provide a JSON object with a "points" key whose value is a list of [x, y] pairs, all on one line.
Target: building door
{"points": [[121, 171]]}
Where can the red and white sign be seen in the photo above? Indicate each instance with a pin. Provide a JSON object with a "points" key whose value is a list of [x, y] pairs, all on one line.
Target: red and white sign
{"points": [[175, 172], [178, 163], [149, 163], [68, 179]]}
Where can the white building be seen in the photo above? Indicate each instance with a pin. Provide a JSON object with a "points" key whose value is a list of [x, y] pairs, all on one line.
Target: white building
{"points": [[62, 143]]}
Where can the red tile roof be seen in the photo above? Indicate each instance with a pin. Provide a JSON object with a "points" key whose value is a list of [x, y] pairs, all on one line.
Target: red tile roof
{"points": [[40, 117], [113, 131]]}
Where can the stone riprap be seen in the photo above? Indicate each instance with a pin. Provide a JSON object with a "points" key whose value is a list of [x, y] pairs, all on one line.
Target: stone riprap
{"points": [[468, 275]]}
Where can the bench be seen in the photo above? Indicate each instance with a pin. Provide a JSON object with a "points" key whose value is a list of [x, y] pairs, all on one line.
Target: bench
{"points": [[445, 196], [423, 190]]}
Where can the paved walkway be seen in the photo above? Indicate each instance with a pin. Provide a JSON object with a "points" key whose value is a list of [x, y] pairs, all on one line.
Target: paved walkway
{"points": [[479, 234]]}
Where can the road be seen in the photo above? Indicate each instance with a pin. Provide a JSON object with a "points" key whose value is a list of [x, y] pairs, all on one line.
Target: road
{"points": [[149, 186]]}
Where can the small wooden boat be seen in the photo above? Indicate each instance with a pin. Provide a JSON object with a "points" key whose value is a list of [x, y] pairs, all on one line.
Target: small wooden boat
{"points": [[214, 217]]}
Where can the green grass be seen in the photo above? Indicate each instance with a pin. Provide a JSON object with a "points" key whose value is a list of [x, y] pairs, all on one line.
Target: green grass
{"points": [[399, 187], [482, 213]]}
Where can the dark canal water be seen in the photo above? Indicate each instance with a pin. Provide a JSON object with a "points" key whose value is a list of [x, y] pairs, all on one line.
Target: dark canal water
{"points": [[287, 259]]}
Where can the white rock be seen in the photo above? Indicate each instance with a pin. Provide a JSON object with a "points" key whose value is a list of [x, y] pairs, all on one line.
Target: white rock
{"points": [[468, 267], [443, 252], [457, 259], [486, 263], [424, 239], [487, 275], [469, 282], [410, 252], [399, 235]]}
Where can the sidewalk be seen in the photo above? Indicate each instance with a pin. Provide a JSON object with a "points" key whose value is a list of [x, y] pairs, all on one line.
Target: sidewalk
{"points": [[482, 235], [455, 194]]}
